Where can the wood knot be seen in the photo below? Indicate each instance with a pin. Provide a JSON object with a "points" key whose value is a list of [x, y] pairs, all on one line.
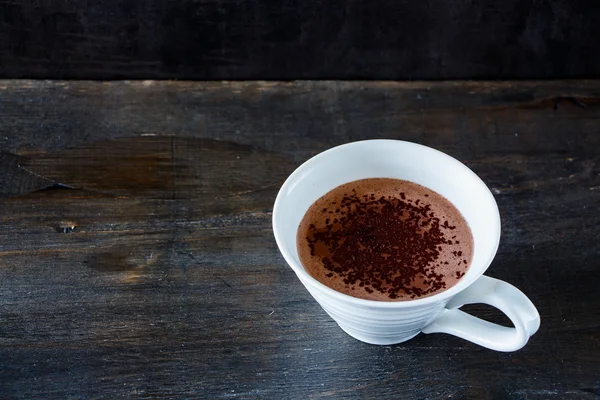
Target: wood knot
{"points": [[66, 226]]}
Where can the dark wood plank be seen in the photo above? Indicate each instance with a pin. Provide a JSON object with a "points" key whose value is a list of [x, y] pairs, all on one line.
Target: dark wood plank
{"points": [[259, 39], [137, 257]]}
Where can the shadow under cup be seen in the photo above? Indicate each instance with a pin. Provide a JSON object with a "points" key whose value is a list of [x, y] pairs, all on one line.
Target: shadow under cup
{"points": [[375, 321]]}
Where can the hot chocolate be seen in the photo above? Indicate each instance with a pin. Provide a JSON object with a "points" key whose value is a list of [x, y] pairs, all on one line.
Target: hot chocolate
{"points": [[385, 239]]}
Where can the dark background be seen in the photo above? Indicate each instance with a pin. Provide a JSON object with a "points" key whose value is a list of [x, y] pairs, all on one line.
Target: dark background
{"points": [[300, 39]]}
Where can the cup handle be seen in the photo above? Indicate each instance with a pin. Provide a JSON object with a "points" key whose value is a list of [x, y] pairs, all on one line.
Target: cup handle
{"points": [[504, 296]]}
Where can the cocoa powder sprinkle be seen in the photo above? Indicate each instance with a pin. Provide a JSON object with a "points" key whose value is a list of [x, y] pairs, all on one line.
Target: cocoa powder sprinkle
{"points": [[386, 245]]}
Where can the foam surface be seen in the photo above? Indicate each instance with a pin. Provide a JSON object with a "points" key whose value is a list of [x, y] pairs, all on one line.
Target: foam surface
{"points": [[451, 261]]}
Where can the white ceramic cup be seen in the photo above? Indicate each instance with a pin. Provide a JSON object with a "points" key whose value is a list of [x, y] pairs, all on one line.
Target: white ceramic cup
{"points": [[385, 323]]}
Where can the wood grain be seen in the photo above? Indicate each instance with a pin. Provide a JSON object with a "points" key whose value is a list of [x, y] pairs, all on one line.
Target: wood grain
{"points": [[310, 39], [137, 257]]}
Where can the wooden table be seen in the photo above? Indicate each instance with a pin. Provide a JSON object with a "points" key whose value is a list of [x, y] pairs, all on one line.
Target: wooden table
{"points": [[137, 258]]}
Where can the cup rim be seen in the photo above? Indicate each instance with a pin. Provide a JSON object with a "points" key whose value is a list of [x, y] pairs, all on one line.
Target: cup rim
{"points": [[307, 278]]}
